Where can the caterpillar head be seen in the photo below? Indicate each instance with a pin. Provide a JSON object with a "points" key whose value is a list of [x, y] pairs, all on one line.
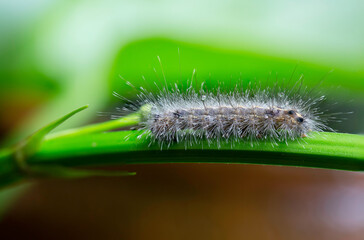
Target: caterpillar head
{"points": [[295, 116]]}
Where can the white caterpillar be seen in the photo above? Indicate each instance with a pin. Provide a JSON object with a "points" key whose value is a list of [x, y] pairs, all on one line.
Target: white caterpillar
{"points": [[253, 115]]}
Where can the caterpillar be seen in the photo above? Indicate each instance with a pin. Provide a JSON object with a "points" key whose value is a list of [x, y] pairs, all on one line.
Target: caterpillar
{"points": [[254, 114]]}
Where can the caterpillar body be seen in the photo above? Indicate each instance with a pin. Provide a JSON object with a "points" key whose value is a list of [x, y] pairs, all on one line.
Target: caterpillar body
{"points": [[255, 114]]}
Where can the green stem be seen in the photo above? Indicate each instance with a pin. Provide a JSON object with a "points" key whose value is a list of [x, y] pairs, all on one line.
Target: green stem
{"points": [[14, 163], [91, 145], [130, 120], [322, 150]]}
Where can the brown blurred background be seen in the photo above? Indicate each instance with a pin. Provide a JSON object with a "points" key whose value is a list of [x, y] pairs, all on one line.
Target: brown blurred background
{"points": [[199, 201]]}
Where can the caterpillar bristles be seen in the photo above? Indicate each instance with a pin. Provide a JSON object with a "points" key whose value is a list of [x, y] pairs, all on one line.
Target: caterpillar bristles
{"points": [[253, 114]]}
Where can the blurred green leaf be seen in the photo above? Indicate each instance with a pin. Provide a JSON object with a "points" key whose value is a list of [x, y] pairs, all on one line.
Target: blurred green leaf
{"points": [[217, 65]]}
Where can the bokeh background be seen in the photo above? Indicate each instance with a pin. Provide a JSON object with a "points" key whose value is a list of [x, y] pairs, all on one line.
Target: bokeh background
{"points": [[57, 55]]}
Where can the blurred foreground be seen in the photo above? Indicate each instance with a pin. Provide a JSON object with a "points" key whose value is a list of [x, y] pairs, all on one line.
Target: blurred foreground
{"points": [[184, 201]]}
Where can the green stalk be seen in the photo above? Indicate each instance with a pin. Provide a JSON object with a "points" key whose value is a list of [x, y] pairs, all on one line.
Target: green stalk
{"points": [[130, 120], [53, 155], [321, 150]]}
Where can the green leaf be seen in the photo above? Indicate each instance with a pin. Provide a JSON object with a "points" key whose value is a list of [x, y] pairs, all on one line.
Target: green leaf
{"points": [[321, 150], [30, 145], [90, 146], [70, 173], [14, 162]]}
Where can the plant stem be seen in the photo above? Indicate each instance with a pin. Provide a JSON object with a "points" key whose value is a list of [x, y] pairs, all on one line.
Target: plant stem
{"points": [[91, 145], [126, 121], [322, 150]]}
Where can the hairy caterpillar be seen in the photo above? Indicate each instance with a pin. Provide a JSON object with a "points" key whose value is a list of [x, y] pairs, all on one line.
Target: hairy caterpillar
{"points": [[253, 114]]}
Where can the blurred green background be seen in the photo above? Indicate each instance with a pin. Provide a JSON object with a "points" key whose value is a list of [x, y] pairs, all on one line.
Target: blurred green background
{"points": [[58, 55]]}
